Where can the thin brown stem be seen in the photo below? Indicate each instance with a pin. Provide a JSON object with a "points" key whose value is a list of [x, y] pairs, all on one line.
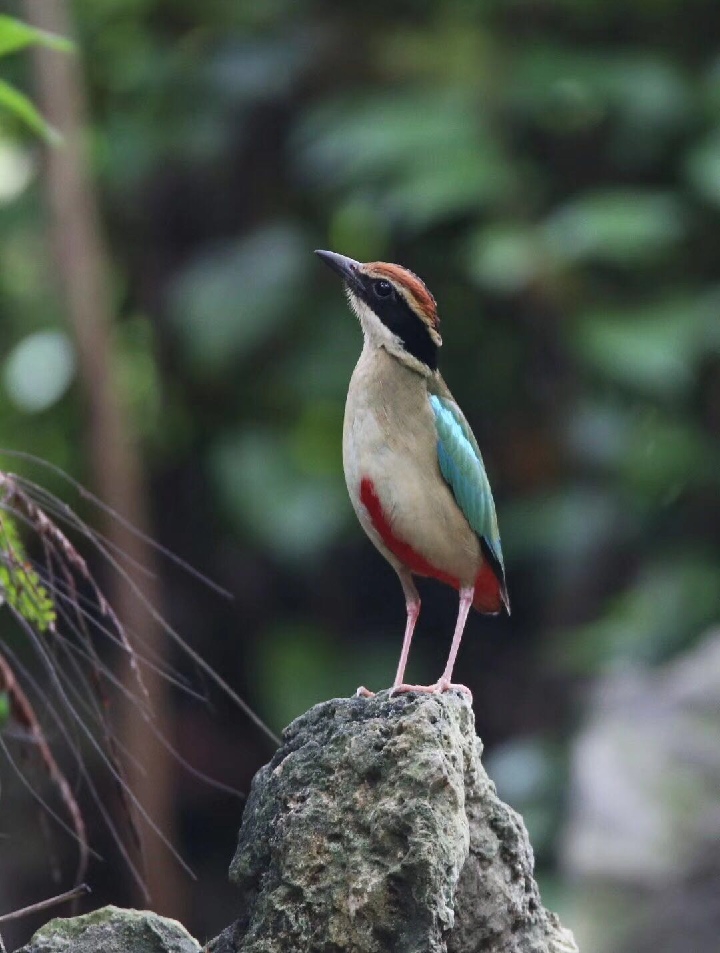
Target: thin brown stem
{"points": [[80, 891], [24, 713]]}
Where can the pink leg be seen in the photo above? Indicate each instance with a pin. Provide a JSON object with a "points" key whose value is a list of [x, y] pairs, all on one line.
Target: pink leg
{"points": [[467, 594], [412, 607]]}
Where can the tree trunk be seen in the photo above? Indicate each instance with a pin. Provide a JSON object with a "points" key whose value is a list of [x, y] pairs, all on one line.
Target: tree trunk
{"points": [[83, 269]]}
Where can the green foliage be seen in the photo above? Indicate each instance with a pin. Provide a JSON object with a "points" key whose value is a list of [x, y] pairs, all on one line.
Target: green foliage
{"points": [[14, 36], [269, 493], [20, 586], [217, 337], [648, 623], [18, 105], [422, 156]]}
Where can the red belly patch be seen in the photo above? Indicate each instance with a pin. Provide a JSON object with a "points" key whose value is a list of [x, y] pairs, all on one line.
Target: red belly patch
{"points": [[413, 560], [487, 588]]}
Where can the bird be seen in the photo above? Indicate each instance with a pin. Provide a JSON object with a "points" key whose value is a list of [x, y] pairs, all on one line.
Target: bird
{"points": [[413, 468]]}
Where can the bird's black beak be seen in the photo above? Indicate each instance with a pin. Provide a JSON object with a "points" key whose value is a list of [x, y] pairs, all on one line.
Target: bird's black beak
{"points": [[347, 268]]}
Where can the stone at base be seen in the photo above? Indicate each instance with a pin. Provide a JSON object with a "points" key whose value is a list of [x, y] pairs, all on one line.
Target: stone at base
{"points": [[112, 930]]}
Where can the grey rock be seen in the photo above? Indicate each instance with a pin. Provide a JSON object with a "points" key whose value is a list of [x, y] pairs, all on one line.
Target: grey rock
{"points": [[643, 833], [112, 930], [375, 829]]}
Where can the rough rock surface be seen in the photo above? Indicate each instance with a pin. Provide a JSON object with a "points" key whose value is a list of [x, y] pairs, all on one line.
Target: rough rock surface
{"points": [[375, 829], [112, 930]]}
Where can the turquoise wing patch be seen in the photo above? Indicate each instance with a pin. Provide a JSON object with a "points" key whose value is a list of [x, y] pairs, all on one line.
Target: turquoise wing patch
{"points": [[461, 464]]}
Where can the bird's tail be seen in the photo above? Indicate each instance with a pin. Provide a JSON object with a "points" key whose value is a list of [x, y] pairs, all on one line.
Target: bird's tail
{"points": [[491, 595]]}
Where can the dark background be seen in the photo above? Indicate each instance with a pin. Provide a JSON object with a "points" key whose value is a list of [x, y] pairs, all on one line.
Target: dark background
{"points": [[552, 170]]}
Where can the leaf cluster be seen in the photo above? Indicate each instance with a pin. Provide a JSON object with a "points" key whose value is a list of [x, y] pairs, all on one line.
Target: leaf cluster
{"points": [[15, 35], [21, 588]]}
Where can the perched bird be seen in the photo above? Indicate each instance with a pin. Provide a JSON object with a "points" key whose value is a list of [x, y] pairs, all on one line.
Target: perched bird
{"points": [[413, 468]]}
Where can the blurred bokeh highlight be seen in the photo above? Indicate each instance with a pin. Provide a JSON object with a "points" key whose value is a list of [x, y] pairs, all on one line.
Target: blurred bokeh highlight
{"points": [[552, 170]]}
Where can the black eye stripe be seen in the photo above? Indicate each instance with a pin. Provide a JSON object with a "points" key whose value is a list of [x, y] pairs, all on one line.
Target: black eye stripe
{"points": [[397, 315]]}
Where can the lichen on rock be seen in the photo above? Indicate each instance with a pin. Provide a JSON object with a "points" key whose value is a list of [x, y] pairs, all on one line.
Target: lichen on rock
{"points": [[375, 828], [112, 930]]}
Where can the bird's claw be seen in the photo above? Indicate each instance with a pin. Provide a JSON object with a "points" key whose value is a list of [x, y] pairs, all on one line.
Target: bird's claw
{"points": [[456, 687], [363, 692]]}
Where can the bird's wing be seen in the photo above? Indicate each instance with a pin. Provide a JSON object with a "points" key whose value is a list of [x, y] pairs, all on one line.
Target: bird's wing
{"points": [[461, 464]]}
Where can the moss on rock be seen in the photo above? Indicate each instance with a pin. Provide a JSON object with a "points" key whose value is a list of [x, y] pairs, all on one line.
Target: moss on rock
{"points": [[112, 930]]}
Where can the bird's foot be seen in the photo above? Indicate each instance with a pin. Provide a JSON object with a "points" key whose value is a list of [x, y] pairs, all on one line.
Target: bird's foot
{"points": [[363, 692], [444, 686], [403, 689], [436, 689]]}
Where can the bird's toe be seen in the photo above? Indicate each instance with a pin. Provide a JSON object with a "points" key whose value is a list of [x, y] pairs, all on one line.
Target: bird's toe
{"points": [[363, 692], [404, 689], [445, 686]]}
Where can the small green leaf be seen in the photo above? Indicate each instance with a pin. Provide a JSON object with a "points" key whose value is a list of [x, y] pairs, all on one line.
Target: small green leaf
{"points": [[20, 585], [16, 35], [20, 106], [4, 709]]}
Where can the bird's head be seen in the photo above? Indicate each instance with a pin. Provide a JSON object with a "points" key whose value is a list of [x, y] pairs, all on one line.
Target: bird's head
{"points": [[395, 309]]}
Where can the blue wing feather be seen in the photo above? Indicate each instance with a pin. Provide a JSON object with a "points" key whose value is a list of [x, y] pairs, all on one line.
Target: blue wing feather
{"points": [[461, 464]]}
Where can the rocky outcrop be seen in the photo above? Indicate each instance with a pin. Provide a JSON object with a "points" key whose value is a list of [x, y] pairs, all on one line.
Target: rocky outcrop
{"points": [[374, 829]]}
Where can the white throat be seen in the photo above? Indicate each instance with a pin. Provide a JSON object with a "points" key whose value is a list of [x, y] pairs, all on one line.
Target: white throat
{"points": [[378, 335]]}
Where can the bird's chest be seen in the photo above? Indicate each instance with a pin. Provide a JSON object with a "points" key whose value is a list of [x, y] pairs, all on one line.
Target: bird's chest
{"points": [[387, 440], [393, 476]]}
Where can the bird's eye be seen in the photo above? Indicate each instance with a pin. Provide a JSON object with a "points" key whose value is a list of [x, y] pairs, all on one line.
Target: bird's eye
{"points": [[382, 288]]}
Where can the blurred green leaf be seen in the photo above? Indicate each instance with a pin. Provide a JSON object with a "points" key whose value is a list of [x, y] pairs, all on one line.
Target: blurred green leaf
{"points": [[425, 155], [567, 88], [18, 105], [289, 512], [16, 35], [5, 709], [233, 299], [664, 457], [653, 348], [505, 257], [671, 601], [254, 70], [358, 225], [570, 524], [316, 439], [621, 227], [598, 433], [307, 665], [137, 374], [703, 168], [321, 368]]}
